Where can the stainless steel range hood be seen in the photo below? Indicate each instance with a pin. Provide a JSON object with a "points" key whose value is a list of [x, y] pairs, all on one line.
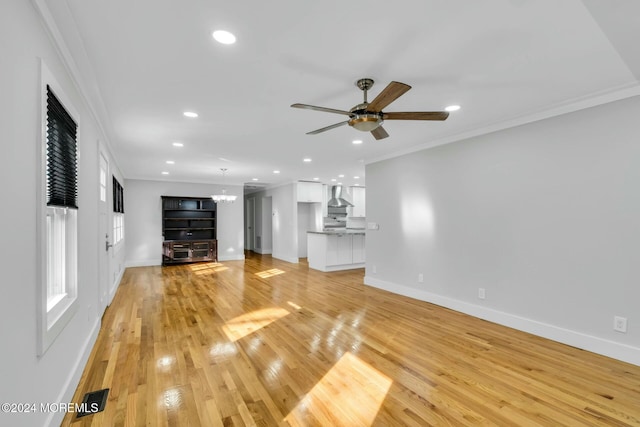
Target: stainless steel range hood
{"points": [[336, 200]]}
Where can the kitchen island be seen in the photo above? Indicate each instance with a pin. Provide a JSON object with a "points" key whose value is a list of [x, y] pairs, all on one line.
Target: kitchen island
{"points": [[336, 249]]}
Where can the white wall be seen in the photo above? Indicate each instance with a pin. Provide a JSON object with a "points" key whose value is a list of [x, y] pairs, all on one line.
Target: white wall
{"points": [[545, 217], [54, 376], [143, 207], [283, 221]]}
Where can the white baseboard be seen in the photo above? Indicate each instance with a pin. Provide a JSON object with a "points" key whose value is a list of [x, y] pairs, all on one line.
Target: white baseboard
{"points": [[329, 268], [143, 263], [287, 259], [623, 352], [231, 257], [262, 251], [71, 384]]}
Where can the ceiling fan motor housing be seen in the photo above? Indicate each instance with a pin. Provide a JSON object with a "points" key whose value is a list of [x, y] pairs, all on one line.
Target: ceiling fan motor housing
{"points": [[362, 119]]}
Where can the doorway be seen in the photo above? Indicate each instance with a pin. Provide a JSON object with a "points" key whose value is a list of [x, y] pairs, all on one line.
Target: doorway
{"points": [[250, 224]]}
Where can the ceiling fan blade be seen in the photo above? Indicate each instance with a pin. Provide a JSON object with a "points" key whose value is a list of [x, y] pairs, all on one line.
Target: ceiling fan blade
{"points": [[416, 115], [389, 94], [313, 132], [326, 110], [379, 133]]}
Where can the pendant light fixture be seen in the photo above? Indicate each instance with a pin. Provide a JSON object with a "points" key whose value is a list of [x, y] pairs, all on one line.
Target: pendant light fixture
{"points": [[224, 197]]}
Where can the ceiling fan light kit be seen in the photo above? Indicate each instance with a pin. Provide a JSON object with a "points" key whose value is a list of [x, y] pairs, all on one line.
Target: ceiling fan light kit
{"points": [[366, 122], [368, 116]]}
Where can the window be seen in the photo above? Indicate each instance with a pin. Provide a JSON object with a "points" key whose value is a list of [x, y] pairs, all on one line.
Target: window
{"points": [[118, 212], [58, 229], [103, 179]]}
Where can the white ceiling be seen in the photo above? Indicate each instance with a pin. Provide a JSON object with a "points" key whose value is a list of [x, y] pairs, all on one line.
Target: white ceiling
{"points": [[503, 61]]}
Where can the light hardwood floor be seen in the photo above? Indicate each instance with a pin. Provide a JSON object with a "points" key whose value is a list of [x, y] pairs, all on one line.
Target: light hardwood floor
{"points": [[268, 343]]}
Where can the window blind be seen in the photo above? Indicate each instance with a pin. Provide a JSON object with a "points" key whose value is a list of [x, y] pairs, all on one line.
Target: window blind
{"points": [[118, 196], [62, 155]]}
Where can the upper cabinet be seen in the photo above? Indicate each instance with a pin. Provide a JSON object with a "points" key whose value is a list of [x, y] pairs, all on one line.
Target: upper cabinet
{"points": [[358, 200], [309, 192]]}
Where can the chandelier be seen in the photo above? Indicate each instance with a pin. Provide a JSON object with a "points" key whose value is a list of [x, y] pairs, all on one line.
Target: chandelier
{"points": [[224, 197]]}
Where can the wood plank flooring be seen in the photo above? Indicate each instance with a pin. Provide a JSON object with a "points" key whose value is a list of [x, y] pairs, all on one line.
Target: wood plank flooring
{"points": [[268, 343]]}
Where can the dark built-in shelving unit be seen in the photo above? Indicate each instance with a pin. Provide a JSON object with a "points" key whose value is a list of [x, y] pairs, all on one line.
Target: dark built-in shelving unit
{"points": [[188, 230]]}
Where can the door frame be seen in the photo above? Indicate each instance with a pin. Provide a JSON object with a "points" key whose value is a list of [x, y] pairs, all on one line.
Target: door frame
{"points": [[104, 234]]}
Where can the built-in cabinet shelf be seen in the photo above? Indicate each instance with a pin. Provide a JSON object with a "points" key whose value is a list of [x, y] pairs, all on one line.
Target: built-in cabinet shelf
{"points": [[309, 192], [188, 230]]}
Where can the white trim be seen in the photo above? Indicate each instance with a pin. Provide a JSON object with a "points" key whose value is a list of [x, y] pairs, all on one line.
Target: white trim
{"points": [[616, 350], [565, 107], [114, 287], [231, 258], [68, 389], [330, 268], [263, 251], [47, 328], [75, 75], [287, 259], [143, 263]]}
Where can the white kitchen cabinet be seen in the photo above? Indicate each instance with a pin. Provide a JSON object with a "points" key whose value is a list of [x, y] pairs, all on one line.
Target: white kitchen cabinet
{"points": [[339, 249], [357, 245], [344, 249], [358, 200], [326, 195], [309, 192], [329, 251]]}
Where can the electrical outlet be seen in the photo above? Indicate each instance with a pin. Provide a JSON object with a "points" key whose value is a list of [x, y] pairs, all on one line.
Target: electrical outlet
{"points": [[420, 278], [481, 293], [620, 324], [374, 269]]}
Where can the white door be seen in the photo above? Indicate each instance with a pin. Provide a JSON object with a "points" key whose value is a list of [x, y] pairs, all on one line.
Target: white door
{"points": [[251, 224], [104, 237]]}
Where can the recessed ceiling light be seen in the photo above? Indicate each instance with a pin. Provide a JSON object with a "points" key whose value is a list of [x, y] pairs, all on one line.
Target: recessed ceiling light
{"points": [[357, 141], [165, 173], [316, 179], [171, 162], [190, 114], [178, 144], [276, 171], [451, 108], [224, 37], [254, 179], [356, 184], [339, 183], [306, 159], [341, 176], [356, 177], [333, 180]]}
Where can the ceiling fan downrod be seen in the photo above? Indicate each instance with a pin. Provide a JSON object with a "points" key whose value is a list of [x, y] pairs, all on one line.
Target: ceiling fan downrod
{"points": [[365, 85]]}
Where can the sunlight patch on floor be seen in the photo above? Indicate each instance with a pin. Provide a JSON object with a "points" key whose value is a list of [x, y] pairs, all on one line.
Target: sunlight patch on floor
{"points": [[350, 394], [246, 324], [210, 267], [269, 273]]}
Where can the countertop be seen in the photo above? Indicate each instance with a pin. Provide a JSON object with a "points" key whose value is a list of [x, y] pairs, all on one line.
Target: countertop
{"points": [[355, 231]]}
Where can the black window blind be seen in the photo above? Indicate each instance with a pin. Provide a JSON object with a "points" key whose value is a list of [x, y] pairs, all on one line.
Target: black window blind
{"points": [[62, 155], [118, 196]]}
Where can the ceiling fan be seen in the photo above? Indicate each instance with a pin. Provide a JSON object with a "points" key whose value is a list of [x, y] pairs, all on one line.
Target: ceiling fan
{"points": [[368, 116]]}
